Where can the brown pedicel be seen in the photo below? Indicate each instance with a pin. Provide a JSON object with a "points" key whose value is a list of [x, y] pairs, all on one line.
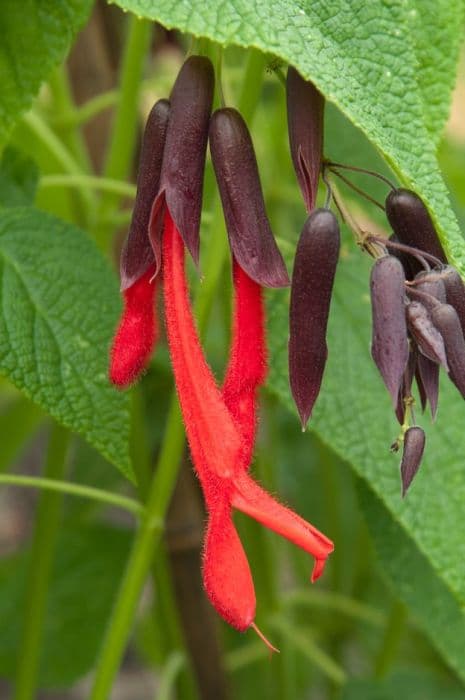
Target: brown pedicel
{"points": [[389, 347], [181, 178], [412, 224], [249, 231], [137, 254], [414, 446], [312, 283], [305, 112]]}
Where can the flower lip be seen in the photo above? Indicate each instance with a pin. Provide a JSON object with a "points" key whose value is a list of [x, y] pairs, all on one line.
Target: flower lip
{"points": [[181, 178], [305, 110], [249, 231], [137, 254]]}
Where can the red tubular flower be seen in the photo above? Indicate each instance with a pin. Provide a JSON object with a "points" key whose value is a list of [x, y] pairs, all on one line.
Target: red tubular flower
{"points": [[137, 332], [215, 436]]}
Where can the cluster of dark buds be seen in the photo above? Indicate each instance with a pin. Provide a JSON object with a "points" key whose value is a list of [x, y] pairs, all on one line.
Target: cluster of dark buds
{"points": [[418, 309], [418, 300], [221, 421]]}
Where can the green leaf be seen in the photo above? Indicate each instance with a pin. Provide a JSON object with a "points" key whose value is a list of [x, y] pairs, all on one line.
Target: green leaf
{"points": [[36, 35], [361, 56], [437, 32], [86, 573], [411, 576], [414, 685], [354, 417], [59, 307], [18, 179]]}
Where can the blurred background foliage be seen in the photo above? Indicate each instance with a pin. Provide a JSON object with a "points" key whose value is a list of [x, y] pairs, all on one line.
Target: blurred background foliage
{"points": [[386, 621]]}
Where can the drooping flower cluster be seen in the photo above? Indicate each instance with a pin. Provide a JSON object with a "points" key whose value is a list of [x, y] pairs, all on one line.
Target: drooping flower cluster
{"points": [[220, 422], [418, 307]]}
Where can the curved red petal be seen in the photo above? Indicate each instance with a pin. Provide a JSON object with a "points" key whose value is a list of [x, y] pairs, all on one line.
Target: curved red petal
{"points": [[214, 440], [137, 332]]}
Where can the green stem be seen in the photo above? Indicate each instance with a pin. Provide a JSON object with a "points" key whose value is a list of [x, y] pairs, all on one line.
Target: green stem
{"points": [[166, 472], [392, 637], [337, 602], [71, 489], [168, 676], [40, 565], [302, 642], [124, 131], [90, 182], [80, 115], [63, 104], [56, 147]]}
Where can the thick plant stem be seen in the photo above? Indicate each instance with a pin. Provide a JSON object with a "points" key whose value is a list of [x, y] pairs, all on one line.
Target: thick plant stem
{"points": [[40, 565], [167, 468], [124, 132]]}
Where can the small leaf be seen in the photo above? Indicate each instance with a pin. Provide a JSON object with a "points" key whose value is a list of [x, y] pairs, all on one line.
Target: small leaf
{"points": [[59, 303]]}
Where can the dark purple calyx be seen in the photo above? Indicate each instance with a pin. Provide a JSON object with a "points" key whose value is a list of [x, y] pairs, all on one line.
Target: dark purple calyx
{"points": [[414, 446], [249, 232], [181, 178], [412, 224], [455, 292], [312, 283], [426, 335], [389, 345], [427, 376], [447, 322], [305, 111], [137, 253]]}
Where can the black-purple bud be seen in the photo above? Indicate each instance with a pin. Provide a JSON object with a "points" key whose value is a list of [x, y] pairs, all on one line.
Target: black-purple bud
{"points": [[427, 376], [249, 232], [414, 446], [389, 347], [411, 222], [137, 253], [446, 320], [312, 283], [426, 335], [455, 292], [181, 178], [305, 111]]}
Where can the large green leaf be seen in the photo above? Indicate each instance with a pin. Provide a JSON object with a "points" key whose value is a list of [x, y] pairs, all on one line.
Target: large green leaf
{"points": [[361, 56], [437, 31], [86, 574], [354, 417], [59, 307], [35, 36]]}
